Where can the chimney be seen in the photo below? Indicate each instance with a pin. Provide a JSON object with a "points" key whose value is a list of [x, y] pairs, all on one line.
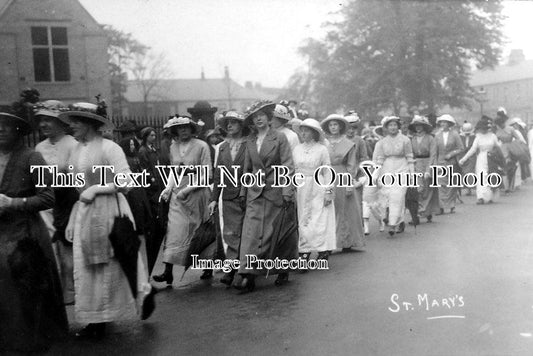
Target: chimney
{"points": [[203, 74], [226, 72], [248, 85], [516, 56]]}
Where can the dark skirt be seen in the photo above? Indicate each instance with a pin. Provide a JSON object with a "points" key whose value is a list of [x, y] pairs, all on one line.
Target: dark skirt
{"points": [[31, 299], [258, 236]]}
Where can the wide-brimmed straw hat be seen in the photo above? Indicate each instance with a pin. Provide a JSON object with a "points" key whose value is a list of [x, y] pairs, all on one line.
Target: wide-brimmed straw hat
{"points": [[50, 108], [378, 131], [314, 125], [517, 121], [23, 126], [420, 121], [281, 112], [334, 117], [257, 106], [447, 118], [182, 121], [467, 129], [388, 119], [88, 111], [352, 118]]}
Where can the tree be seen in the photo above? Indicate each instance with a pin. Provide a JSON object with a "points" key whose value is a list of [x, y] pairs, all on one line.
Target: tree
{"points": [[122, 50], [148, 71], [389, 54]]}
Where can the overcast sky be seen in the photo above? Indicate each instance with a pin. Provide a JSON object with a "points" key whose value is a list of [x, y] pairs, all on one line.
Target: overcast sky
{"points": [[256, 39]]}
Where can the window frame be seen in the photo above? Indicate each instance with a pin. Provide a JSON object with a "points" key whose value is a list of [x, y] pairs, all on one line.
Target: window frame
{"points": [[50, 47]]}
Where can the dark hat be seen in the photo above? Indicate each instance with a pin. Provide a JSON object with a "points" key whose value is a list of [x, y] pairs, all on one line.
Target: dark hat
{"points": [[23, 125], [422, 121], [257, 106]]}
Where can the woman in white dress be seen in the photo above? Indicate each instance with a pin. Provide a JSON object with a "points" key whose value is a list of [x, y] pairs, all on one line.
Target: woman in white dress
{"points": [[394, 154], [484, 142], [102, 291], [316, 214]]}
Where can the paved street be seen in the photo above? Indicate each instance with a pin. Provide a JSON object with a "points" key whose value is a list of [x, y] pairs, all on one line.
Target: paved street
{"points": [[479, 260]]}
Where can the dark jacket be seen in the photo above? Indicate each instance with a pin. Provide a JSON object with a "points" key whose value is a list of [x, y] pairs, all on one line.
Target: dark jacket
{"points": [[275, 150], [224, 159]]}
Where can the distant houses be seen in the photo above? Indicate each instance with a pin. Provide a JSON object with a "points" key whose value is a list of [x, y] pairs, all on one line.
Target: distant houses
{"points": [[509, 85], [55, 46], [175, 96]]}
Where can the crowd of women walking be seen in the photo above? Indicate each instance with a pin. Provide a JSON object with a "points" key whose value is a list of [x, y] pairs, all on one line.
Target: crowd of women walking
{"points": [[74, 245]]}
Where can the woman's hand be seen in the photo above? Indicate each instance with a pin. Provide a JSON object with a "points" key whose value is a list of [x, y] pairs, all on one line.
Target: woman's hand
{"points": [[212, 206], [165, 195], [181, 195], [87, 196], [349, 191], [5, 202], [328, 198], [461, 161]]}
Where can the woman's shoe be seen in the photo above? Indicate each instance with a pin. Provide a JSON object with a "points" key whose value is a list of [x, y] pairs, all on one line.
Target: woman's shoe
{"points": [[381, 226], [366, 227], [92, 331], [480, 202], [401, 227], [165, 276], [247, 285], [148, 306], [430, 218], [227, 279], [452, 210], [282, 279], [441, 212], [391, 233], [208, 274], [304, 256], [324, 255]]}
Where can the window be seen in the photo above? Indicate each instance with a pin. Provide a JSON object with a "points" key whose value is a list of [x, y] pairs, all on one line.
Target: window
{"points": [[50, 54]]}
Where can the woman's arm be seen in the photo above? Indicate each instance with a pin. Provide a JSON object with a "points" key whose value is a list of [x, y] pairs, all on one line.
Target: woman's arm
{"points": [[44, 196], [470, 152]]}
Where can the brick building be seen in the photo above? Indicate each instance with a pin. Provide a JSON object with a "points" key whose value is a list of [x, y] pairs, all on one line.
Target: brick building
{"points": [[55, 46]]}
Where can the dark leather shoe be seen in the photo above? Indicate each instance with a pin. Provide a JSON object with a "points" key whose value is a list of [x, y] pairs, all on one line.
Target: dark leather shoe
{"points": [[92, 331], [208, 273], [452, 211], [401, 227], [164, 277], [430, 218], [148, 305], [441, 212], [247, 285], [282, 279], [227, 279]]}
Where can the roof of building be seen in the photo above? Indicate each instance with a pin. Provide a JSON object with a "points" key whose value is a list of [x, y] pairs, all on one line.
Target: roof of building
{"points": [[196, 89], [503, 73], [4, 4]]}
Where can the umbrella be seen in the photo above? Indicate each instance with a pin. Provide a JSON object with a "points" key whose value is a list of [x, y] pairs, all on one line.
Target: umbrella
{"points": [[126, 243], [411, 203], [285, 234], [205, 241]]}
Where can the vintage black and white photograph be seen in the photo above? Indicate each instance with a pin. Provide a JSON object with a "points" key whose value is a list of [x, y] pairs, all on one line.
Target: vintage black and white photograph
{"points": [[266, 177]]}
